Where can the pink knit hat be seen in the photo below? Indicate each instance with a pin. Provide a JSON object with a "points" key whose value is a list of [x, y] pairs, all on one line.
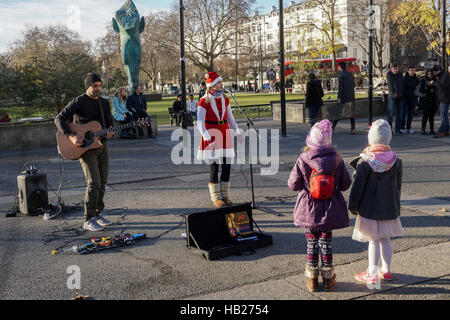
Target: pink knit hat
{"points": [[320, 135]]}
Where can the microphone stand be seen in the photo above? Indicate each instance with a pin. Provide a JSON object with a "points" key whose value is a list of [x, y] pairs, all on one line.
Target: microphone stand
{"points": [[250, 123]]}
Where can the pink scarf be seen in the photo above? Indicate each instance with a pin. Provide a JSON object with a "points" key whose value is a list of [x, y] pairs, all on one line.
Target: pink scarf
{"points": [[379, 157]]}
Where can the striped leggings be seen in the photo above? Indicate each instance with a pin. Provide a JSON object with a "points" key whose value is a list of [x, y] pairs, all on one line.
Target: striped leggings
{"points": [[319, 240]]}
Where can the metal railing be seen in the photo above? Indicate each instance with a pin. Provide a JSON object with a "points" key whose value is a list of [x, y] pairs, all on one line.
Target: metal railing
{"points": [[249, 110]]}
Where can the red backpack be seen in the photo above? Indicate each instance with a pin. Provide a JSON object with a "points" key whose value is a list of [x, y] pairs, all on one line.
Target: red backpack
{"points": [[321, 185]]}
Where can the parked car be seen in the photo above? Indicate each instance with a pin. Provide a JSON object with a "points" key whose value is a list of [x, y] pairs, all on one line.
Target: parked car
{"points": [[173, 90]]}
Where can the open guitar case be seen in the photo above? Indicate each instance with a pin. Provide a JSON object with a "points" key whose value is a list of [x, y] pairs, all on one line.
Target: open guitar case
{"points": [[207, 233]]}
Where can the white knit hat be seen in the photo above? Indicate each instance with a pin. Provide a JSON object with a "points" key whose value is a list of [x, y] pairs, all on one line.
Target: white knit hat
{"points": [[380, 133]]}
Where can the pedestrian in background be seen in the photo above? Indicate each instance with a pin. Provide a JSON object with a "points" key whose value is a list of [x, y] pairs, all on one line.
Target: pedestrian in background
{"points": [[346, 94], [442, 84], [428, 102], [375, 199], [320, 216], [314, 94], [409, 101], [395, 86]]}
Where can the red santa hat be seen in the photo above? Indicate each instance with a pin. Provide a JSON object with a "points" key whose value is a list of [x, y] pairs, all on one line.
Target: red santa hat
{"points": [[212, 78]]}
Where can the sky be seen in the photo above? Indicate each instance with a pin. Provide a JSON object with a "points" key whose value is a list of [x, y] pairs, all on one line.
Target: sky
{"points": [[88, 17]]}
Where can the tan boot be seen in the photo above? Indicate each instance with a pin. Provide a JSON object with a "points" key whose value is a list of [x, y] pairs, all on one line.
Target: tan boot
{"points": [[214, 190], [224, 191], [329, 279], [312, 278]]}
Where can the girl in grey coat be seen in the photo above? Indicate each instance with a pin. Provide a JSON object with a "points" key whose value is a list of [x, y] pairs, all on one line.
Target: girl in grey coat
{"points": [[375, 199]]}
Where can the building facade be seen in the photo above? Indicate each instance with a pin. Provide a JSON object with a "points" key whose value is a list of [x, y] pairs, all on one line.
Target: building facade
{"points": [[303, 22]]}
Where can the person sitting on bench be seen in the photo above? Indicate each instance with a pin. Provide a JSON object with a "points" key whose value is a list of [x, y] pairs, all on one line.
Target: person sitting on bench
{"points": [[138, 106], [177, 109]]}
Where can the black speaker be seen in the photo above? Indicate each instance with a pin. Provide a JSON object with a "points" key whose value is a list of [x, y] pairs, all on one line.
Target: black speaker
{"points": [[33, 194]]}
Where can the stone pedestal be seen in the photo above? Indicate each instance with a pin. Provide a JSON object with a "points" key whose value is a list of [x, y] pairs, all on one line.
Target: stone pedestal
{"points": [[296, 111]]}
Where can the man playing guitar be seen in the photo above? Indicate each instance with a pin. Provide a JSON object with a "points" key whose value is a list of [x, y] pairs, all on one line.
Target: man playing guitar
{"points": [[95, 162]]}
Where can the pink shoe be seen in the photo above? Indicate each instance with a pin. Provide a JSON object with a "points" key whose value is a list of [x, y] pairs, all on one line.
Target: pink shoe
{"points": [[385, 275], [366, 277]]}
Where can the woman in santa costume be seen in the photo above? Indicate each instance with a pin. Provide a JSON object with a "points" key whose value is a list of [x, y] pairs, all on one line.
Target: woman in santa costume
{"points": [[214, 121]]}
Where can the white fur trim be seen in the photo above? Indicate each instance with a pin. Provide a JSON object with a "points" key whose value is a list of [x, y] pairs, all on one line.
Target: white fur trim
{"points": [[214, 107], [209, 85]]}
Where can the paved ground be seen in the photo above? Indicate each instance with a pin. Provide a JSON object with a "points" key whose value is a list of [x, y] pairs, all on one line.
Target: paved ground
{"points": [[148, 193]]}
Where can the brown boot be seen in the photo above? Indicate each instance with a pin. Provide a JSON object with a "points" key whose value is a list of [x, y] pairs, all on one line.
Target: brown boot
{"points": [[224, 191], [312, 278], [329, 279], [214, 190]]}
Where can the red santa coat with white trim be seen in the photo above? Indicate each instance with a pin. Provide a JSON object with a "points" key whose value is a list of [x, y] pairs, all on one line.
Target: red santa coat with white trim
{"points": [[216, 111]]}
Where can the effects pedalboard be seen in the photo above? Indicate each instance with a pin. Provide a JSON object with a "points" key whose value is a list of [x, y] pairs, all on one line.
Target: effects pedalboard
{"points": [[98, 244]]}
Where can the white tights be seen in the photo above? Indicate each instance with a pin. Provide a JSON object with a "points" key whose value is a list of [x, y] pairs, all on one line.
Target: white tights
{"points": [[377, 248]]}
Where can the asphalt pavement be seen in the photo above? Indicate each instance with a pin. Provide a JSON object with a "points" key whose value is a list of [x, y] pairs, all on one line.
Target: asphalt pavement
{"points": [[147, 192]]}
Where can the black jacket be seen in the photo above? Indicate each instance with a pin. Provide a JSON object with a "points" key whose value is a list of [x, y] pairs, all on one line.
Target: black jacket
{"points": [[177, 106], [395, 85], [409, 86], [430, 100], [86, 110], [346, 90], [443, 85], [314, 94], [376, 195], [137, 102]]}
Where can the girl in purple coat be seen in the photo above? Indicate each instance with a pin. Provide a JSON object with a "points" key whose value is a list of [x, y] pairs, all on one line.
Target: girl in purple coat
{"points": [[319, 217]]}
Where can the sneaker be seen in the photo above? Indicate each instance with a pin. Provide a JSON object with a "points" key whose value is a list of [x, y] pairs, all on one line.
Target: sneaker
{"points": [[423, 132], [103, 221], [411, 131], [92, 225], [385, 275], [402, 131], [366, 277]]}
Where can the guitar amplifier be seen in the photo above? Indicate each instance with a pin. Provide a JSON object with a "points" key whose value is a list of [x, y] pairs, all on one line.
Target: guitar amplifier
{"points": [[33, 194]]}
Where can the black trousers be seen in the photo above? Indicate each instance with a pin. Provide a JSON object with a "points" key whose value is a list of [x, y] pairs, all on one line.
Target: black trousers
{"points": [[128, 132], [428, 115], [140, 114], [214, 172], [352, 123]]}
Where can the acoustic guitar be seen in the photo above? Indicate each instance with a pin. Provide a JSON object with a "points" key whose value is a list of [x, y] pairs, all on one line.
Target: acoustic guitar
{"points": [[91, 133]]}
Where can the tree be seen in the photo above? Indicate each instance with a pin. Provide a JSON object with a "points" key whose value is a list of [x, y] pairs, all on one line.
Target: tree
{"points": [[330, 28], [51, 63], [8, 78], [210, 29], [382, 37], [160, 56], [423, 15]]}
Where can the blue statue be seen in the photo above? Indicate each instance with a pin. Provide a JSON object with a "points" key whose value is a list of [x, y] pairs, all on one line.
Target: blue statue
{"points": [[128, 25]]}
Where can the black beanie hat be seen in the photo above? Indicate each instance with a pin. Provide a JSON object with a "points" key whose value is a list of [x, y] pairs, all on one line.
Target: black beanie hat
{"points": [[90, 78]]}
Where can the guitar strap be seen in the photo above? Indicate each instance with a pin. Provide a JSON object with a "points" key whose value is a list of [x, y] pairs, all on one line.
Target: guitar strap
{"points": [[102, 112]]}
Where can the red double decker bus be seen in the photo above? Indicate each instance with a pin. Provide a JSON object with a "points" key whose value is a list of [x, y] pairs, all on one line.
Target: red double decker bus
{"points": [[323, 64]]}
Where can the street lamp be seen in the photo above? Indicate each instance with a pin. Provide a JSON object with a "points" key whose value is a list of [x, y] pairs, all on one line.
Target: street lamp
{"points": [[282, 80], [370, 70], [444, 35], [182, 67]]}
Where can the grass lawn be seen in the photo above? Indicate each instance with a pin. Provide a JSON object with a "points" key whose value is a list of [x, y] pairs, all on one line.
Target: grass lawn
{"points": [[160, 108]]}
